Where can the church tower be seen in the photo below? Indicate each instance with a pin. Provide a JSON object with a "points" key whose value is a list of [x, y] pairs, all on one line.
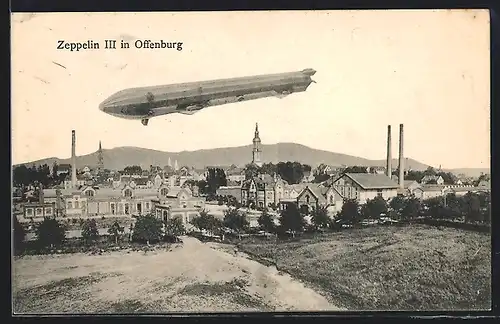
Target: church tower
{"points": [[100, 159], [256, 152]]}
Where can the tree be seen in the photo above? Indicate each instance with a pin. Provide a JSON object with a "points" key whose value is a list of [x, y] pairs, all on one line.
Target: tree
{"points": [[215, 179], [147, 228], [397, 204], [115, 230], [175, 227], [207, 222], [292, 172], [50, 233], [251, 171], [320, 217], [350, 212], [235, 220], [269, 168], [266, 221], [472, 207], [90, 233], [19, 234], [434, 207], [374, 207], [292, 220], [411, 209]]}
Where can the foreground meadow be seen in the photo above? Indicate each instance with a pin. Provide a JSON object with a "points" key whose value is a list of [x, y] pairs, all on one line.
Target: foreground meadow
{"points": [[188, 277], [414, 267]]}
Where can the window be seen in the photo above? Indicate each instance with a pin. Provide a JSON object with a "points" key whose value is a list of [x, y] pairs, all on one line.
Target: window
{"points": [[113, 211], [127, 193], [126, 209], [70, 205], [48, 211], [39, 211], [89, 193], [77, 205], [163, 191], [29, 211], [307, 199], [331, 199], [379, 193], [147, 206]]}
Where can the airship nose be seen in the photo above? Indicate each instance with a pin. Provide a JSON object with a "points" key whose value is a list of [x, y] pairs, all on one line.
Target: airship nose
{"points": [[102, 106]]}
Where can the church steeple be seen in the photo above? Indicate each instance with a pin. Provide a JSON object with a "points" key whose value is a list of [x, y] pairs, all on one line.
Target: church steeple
{"points": [[256, 151], [100, 159]]}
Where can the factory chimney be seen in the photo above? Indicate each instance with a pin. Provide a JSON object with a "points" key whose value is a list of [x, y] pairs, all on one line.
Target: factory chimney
{"points": [[388, 167], [73, 159], [401, 158]]}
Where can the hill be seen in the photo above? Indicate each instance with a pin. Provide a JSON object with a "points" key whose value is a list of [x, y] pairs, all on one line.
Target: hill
{"points": [[120, 157]]}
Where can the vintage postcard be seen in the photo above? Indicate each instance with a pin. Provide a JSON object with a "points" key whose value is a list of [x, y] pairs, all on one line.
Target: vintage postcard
{"points": [[251, 161]]}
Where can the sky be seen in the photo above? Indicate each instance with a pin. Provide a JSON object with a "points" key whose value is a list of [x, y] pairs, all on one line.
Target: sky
{"points": [[428, 70]]}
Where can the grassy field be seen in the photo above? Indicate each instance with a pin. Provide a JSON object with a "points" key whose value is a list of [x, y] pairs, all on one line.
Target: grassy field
{"points": [[415, 267]]}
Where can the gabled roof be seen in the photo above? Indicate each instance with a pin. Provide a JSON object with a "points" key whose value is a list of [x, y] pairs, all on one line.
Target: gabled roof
{"points": [[316, 191], [369, 181]]}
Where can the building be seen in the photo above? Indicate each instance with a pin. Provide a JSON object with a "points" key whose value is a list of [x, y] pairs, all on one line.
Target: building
{"points": [[314, 196], [408, 186], [91, 201], [235, 175], [430, 191], [256, 151], [364, 186], [259, 191], [432, 179], [38, 210], [63, 168], [177, 203]]}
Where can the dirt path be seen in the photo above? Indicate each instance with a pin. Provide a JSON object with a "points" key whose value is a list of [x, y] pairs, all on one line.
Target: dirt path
{"points": [[192, 277]]}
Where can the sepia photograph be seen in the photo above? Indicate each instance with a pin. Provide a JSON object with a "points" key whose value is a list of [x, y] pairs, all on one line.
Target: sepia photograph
{"points": [[266, 161]]}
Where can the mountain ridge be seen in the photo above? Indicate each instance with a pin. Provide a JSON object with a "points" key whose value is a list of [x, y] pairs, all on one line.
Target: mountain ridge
{"points": [[119, 157]]}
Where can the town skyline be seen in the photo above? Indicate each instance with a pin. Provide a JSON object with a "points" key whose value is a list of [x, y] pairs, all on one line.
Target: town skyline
{"points": [[412, 81]]}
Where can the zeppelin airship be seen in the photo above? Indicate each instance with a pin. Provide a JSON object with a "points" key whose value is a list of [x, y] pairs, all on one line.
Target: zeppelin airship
{"points": [[187, 98]]}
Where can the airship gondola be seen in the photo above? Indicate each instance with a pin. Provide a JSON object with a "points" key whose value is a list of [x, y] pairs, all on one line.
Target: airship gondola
{"points": [[188, 98]]}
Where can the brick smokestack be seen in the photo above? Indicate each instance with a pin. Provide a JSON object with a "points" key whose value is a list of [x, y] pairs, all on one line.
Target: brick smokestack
{"points": [[401, 158], [73, 159], [388, 167]]}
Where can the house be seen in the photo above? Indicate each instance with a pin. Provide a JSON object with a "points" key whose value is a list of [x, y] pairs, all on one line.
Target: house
{"points": [[364, 186], [179, 203], [484, 184], [259, 191], [80, 181], [314, 196], [63, 168], [432, 179], [141, 183], [430, 191], [377, 170], [409, 186], [235, 174]]}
